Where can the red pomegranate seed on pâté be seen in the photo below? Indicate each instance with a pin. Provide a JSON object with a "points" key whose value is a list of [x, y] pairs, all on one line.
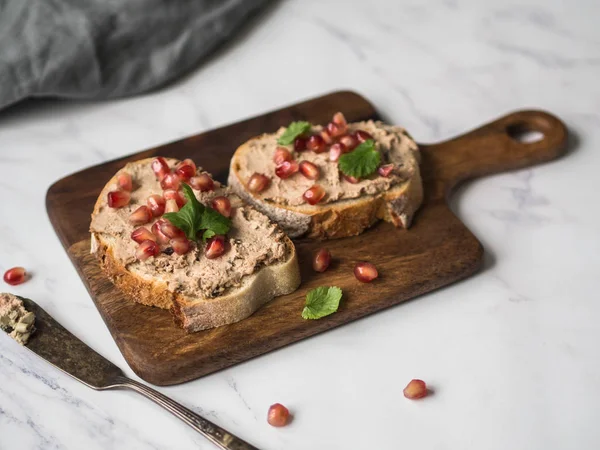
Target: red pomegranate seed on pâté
{"points": [[215, 247], [300, 144], [335, 130], [160, 168], [349, 141], [316, 144], [314, 194], [365, 272], [202, 183], [350, 179], [140, 216], [124, 181], [157, 231], [278, 415], [258, 183], [142, 234], [180, 245], [326, 137], [186, 169], [309, 170], [170, 230], [15, 276], [171, 181], [286, 169], [222, 205], [281, 154], [147, 249], [171, 206], [340, 120], [156, 203], [321, 260], [172, 194], [415, 389], [362, 136], [385, 170], [336, 150], [118, 199]]}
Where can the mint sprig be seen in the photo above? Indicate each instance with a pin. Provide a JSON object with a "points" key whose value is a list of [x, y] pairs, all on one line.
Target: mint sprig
{"points": [[321, 302], [194, 217], [362, 161], [294, 130]]}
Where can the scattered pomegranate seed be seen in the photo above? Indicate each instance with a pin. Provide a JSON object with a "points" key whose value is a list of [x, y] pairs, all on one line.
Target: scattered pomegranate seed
{"points": [[350, 179], [278, 415], [142, 234], [314, 194], [140, 216], [180, 245], [202, 183], [362, 136], [385, 170], [160, 168], [170, 230], [309, 170], [365, 272], [326, 137], [349, 141], [171, 181], [147, 249], [286, 169], [14, 276], [322, 260], [172, 194], [281, 154], [316, 144], [335, 130], [300, 144], [222, 205], [156, 204], [124, 181], [340, 120], [186, 169], [415, 389], [157, 231], [258, 182], [171, 206], [336, 150], [118, 199], [215, 247]]}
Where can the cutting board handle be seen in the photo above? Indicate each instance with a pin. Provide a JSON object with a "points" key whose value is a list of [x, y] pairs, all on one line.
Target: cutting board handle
{"points": [[496, 147]]}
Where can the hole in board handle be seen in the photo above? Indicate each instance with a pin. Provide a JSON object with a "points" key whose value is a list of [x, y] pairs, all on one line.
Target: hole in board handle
{"points": [[524, 134]]}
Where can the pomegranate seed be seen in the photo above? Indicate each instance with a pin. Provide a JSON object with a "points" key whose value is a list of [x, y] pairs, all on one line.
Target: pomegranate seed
{"points": [[335, 130], [300, 144], [202, 183], [170, 230], [278, 415], [172, 194], [321, 260], [124, 181], [142, 234], [157, 231], [349, 141], [171, 206], [362, 136], [215, 247], [340, 120], [160, 168], [140, 216], [286, 169], [281, 154], [14, 276], [365, 272], [118, 199], [170, 181], [316, 144], [309, 170], [350, 179], [258, 182], [314, 194], [186, 169], [326, 137], [180, 245], [147, 249], [415, 389], [336, 150], [222, 205], [385, 170], [156, 204]]}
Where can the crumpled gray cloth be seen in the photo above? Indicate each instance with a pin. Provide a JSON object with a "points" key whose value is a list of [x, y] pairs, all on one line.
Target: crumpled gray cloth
{"points": [[108, 48]]}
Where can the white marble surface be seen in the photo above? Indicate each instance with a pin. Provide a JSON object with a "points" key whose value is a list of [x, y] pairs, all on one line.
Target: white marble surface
{"points": [[512, 353]]}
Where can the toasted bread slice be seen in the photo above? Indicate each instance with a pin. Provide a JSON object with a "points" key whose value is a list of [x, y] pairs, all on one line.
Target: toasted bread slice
{"points": [[202, 293], [349, 207]]}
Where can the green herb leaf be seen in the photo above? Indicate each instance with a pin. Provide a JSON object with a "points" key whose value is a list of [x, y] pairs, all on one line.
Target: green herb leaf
{"points": [[294, 130], [194, 217], [362, 161], [321, 302]]}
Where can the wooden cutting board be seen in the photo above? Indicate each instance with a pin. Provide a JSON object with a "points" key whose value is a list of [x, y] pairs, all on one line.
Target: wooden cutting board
{"points": [[436, 251]]}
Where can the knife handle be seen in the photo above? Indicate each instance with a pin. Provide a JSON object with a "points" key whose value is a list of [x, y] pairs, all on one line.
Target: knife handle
{"points": [[214, 433]]}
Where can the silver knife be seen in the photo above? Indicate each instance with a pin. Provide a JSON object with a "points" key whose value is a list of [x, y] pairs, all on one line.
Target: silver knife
{"points": [[52, 342]]}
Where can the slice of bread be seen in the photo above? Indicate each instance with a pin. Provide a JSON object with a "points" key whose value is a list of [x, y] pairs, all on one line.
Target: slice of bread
{"points": [[348, 208], [202, 293]]}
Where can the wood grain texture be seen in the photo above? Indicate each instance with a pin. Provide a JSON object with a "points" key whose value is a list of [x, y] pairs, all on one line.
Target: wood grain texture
{"points": [[436, 251]]}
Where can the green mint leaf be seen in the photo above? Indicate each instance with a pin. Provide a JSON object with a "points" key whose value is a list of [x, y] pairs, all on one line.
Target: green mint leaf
{"points": [[294, 130], [214, 222], [321, 302], [362, 161], [208, 234]]}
